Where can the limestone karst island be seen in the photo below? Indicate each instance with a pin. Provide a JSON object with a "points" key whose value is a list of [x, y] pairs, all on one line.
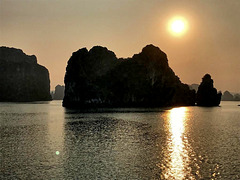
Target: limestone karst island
{"points": [[97, 78], [22, 78]]}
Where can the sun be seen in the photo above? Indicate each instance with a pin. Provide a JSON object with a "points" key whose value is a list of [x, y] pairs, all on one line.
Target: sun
{"points": [[178, 26]]}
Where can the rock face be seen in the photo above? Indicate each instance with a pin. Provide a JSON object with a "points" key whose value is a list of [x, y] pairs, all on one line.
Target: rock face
{"points": [[207, 95], [59, 92], [21, 78], [96, 78]]}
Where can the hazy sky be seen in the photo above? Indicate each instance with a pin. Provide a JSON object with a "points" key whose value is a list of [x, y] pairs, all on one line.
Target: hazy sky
{"points": [[53, 29]]}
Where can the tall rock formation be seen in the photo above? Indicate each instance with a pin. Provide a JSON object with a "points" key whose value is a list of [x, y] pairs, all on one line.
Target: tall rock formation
{"points": [[207, 95], [97, 78], [59, 92], [21, 78]]}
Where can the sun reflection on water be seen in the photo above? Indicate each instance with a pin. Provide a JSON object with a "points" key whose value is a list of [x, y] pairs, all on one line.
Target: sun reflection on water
{"points": [[177, 166]]}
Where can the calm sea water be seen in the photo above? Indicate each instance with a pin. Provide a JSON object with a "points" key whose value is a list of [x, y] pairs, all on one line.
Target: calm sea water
{"points": [[43, 140]]}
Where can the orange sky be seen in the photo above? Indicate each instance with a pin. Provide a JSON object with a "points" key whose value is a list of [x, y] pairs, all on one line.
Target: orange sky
{"points": [[52, 30]]}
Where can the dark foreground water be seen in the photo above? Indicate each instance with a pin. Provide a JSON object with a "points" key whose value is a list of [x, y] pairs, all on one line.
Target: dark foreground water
{"points": [[46, 141]]}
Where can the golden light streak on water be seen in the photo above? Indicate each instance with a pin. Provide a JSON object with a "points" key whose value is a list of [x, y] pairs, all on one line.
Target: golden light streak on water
{"points": [[55, 130], [178, 163]]}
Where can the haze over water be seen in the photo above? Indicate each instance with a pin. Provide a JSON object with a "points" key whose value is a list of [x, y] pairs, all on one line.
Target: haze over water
{"points": [[46, 141]]}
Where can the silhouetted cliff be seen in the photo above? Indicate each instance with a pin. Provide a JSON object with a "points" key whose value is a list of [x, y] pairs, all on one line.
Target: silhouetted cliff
{"points": [[21, 78], [98, 78], [59, 92], [207, 95]]}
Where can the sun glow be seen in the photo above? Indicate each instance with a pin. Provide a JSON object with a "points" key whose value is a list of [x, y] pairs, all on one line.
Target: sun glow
{"points": [[178, 26]]}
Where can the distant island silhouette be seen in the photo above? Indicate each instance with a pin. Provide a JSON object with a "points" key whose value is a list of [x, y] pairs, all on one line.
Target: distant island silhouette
{"points": [[227, 96], [207, 95], [58, 93], [22, 78], [97, 78], [194, 86]]}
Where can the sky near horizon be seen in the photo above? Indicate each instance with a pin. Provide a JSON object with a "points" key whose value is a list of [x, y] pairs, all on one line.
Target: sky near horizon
{"points": [[53, 29]]}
